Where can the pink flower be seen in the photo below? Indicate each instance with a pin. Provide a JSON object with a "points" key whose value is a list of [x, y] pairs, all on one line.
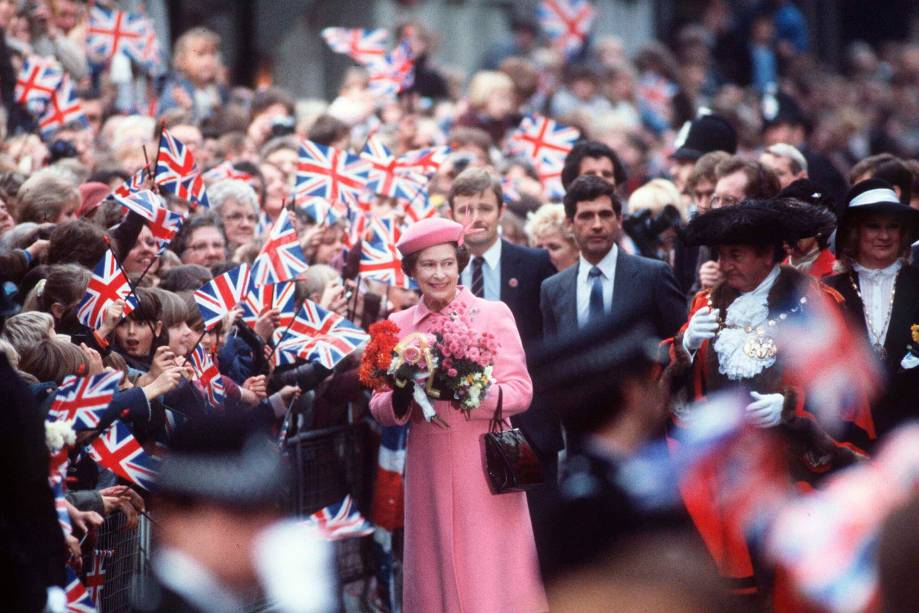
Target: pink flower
{"points": [[451, 372], [473, 354], [448, 363], [411, 354]]}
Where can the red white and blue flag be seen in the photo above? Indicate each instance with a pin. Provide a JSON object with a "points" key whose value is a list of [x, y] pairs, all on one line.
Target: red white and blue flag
{"points": [[340, 521], [163, 223], [63, 108], [542, 140], [82, 400], [178, 173], [418, 208], [112, 31], [329, 173], [386, 177], [60, 505], [135, 183], [567, 23], [107, 284], [226, 171], [280, 296], [321, 212], [95, 573], [393, 74], [281, 258], [208, 375], [217, 297], [426, 161], [316, 334], [117, 450], [380, 259], [78, 599], [36, 83], [362, 45]]}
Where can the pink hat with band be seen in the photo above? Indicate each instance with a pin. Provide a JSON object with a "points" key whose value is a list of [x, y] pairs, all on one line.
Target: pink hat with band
{"points": [[427, 233]]}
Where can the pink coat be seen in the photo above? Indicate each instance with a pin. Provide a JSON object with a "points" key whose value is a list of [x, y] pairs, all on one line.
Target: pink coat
{"points": [[465, 548]]}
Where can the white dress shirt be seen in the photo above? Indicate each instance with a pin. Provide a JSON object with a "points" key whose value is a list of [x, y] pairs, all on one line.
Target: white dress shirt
{"points": [[607, 266], [876, 286], [491, 272]]}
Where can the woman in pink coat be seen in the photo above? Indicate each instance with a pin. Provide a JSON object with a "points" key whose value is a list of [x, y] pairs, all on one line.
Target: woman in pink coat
{"points": [[466, 549]]}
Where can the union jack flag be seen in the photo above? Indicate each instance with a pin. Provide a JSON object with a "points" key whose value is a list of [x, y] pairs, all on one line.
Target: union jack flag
{"points": [[60, 505], [329, 173], [567, 23], [36, 83], [380, 259], [656, 92], [394, 73], [95, 573], [550, 175], [224, 171], [63, 108], [117, 450], [208, 375], [280, 296], [112, 31], [358, 227], [217, 297], [82, 400], [361, 45], [426, 161], [542, 140], [340, 521], [320, 211], [316, 334], [163, 223], [78, 600], [419, 207], [107, 285], [177, 172], [135, 183], [281, 258], [386, 178]]}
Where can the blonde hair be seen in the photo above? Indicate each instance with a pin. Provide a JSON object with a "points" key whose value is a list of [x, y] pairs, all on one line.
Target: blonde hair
{"points": [[484, 83], [12, 356], [654, 196], [315, 280], [546, 219], [26, 329]]}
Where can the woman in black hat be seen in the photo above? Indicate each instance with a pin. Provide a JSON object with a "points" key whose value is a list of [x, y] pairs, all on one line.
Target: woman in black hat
{"points": [[882, 290]]}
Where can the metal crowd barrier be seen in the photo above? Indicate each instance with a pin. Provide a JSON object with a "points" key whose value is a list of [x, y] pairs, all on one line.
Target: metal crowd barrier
{"points": [[119, 559], [328, 464]]}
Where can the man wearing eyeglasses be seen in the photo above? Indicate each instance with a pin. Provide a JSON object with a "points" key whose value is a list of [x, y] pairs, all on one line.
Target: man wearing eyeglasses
{"points": [[737, 179]]}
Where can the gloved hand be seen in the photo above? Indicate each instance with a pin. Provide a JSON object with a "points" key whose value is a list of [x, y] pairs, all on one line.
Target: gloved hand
{"points": [[402, 397], [702, 326], [766, 409]]}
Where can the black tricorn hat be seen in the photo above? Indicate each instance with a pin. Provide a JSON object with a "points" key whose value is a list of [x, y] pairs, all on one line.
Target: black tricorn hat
{"points": [[759, 222], [220, 459], [702, 135]]}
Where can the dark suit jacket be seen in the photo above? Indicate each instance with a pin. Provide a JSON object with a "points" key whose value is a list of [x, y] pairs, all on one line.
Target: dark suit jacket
{"points": [[522, 272], [642, 288], [898, 400]]}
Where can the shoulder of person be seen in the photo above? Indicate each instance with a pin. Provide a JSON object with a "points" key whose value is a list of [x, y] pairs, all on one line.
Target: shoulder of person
{"points": [[403, 318], [550, 283], [524, 252], [642, 263]]}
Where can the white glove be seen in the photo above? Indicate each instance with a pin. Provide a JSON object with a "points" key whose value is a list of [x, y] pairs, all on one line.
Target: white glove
{"points": [[766, 409], [702, 326]]}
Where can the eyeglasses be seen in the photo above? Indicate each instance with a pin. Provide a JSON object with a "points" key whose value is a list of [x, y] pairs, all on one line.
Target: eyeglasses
{"points": [[238, 216]]}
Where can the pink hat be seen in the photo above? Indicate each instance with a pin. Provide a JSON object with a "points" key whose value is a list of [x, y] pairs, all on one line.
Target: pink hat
{"points": [[429, 232], [91, 196]]}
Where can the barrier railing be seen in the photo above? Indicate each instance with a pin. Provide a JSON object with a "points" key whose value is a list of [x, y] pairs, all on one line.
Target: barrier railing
{"points": [[118, 559]]}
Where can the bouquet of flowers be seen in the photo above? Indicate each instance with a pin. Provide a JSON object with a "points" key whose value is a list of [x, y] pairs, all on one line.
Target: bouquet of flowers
{"points": [[451, 362]]}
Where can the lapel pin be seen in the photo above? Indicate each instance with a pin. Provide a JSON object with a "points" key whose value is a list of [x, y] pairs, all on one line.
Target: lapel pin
{"points": [[513, 282]]}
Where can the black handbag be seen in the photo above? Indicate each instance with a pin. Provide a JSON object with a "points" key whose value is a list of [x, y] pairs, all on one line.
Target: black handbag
{"points": [[510, 462]]}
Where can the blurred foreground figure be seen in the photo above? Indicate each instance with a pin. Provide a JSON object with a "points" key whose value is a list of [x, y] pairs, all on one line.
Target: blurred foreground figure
{"points": [[220, 544]]}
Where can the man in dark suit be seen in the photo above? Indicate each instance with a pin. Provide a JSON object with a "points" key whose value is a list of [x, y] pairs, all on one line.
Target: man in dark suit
{"points": [[501, 270], [607, 283]]}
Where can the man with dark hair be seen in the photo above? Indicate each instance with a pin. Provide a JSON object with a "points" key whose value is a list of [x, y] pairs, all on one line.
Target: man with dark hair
{"points": [[887, 167], [78, 242], [606, 282], [501, 270], [590, 157], [328, 130]]}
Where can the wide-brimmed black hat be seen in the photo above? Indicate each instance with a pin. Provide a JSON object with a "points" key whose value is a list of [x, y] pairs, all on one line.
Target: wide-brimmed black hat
{"points": [[703, 135], [809, 191], [759, 222], [219, 459]]}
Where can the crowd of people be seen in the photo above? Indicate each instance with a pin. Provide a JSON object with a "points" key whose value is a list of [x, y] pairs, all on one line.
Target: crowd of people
{"points": [[732, 224]]}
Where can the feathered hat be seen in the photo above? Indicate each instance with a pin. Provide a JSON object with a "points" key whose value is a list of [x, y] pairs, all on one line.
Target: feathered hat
{"points": [[759, 222]]}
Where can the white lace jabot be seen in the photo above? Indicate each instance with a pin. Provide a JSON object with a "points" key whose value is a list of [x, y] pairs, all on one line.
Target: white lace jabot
{"points": [[749, 311]]}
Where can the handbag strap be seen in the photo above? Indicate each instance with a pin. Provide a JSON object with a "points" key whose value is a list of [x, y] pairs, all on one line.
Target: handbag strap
{"points": [[497, 421]]}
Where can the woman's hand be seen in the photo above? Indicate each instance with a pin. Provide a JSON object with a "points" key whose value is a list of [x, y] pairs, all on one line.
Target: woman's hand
{"points": [[333, 297], [111, 317], [165, 382], [266, 323], [163, 358], [93, 359], [257, 386], [231, 318]]}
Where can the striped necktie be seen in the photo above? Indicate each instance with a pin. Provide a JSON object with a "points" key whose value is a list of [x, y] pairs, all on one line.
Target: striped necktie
{"points": [[478, 278]]}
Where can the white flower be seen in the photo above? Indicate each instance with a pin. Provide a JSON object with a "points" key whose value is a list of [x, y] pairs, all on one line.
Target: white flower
{"points": [[58, 434]]}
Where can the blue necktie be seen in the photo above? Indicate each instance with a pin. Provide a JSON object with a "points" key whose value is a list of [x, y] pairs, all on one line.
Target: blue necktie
{"points": [[595, 309], [478, 277]]}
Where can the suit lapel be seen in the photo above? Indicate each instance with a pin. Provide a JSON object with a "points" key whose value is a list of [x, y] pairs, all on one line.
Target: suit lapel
{"points": [[624, 283], [509, 270], [904, 305], [568, 298]]}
